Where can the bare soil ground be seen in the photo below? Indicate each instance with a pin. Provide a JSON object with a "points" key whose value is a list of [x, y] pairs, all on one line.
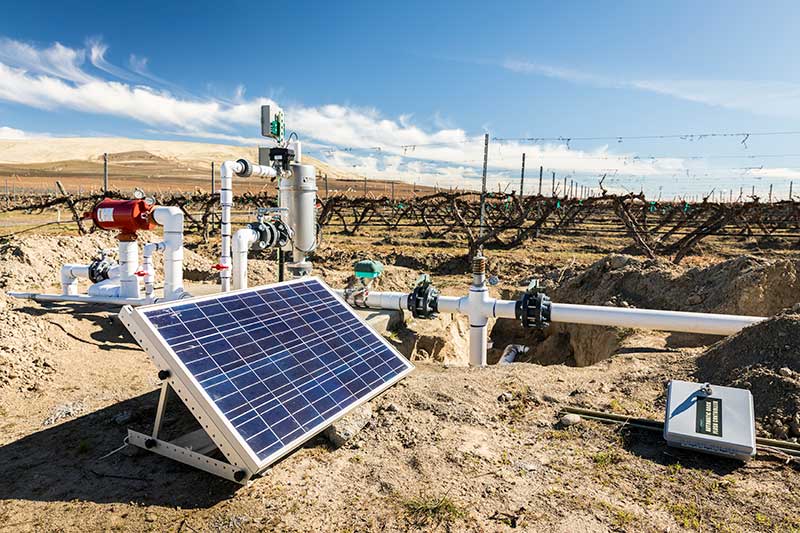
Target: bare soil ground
{"points": [[449, 448]]}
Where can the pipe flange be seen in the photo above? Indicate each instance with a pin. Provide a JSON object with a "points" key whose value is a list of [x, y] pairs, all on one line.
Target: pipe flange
{"points": [[533, 310], [247, 168], [423, 301], [272, 233], [282, 232]]}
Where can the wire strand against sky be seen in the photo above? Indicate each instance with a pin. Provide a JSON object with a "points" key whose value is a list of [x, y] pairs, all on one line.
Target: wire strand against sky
{"points": [[565, 139], [621, 138]]}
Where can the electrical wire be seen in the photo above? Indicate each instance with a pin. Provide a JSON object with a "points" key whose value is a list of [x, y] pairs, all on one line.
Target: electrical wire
{"points": [[621, 138]]}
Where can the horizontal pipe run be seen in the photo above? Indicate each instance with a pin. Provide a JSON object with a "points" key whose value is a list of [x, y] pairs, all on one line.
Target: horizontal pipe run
{"points": [[451, 304], [706, 323], [681, 321], [102, 300], [396, 301]]}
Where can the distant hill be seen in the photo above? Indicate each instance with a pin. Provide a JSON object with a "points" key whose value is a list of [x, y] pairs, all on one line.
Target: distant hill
{"points": [[186, 156], [33, 165]]}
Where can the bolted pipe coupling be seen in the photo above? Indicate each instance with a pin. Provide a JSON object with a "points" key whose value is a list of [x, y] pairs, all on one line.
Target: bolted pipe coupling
{"points": [[423, 300], [271, 233], [533, 310]]}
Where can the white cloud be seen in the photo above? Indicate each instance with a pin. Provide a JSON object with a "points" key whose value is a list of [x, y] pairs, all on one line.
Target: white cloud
{"points": [[57, 60], [775, 173], [777, 99], [761, 97], [360, 139], [12, 134], [138, 64]]}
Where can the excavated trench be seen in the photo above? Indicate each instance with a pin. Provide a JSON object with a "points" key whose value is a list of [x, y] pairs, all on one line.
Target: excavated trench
{"points": [[744, 285]]}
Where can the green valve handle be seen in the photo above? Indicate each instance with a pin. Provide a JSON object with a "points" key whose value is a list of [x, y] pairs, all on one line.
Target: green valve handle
{"points": [[368, 269]]}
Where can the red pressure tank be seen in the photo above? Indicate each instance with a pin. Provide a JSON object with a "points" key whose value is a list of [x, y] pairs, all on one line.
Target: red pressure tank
{"points": [[127, 216]]}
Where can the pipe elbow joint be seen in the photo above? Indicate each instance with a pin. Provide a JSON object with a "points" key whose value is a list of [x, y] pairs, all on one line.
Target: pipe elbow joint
{"points": [[229, 168]]}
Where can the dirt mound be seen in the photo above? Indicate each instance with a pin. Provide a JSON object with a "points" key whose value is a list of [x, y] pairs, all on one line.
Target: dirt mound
{"points": [[26, 341], [762, 358], [745, 285], [34, 262]]}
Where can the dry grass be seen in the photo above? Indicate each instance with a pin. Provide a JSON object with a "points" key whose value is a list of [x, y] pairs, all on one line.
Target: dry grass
{"points": [[427, 510]]}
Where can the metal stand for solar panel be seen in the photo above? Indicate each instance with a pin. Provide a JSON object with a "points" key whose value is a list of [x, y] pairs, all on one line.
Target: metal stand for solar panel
{"points": [[191, 449], [251, 449]]}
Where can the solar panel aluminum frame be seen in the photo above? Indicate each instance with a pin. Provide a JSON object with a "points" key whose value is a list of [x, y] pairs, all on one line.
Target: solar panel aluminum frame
{"points": [[219, 429]]}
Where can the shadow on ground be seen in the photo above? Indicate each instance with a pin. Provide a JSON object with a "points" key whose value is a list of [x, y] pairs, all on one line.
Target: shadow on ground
{"points": [[65, 463], [648, 445], [108, 333]]}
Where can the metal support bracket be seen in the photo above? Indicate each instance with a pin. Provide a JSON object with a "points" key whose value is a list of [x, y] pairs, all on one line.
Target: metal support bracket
{"points": [[190, 449], [189, 457]]}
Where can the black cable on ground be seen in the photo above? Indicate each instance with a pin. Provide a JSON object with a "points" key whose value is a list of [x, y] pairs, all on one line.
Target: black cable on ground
{"points": [[764, 444]]}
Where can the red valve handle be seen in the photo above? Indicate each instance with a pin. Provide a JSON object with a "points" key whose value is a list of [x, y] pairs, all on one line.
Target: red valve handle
{"points": [[140, 273], [219, 266]]}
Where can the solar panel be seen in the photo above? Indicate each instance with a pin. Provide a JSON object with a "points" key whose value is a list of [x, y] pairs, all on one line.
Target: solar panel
{"points": [[270, 366]]}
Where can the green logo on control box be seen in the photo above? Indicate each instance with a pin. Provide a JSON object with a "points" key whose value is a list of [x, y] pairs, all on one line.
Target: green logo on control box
{"points": [[709, 416]]}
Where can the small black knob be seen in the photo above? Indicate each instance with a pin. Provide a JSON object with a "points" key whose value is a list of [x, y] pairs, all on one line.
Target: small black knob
{"points": [[163, 374], [150, 443], [239, 475]]}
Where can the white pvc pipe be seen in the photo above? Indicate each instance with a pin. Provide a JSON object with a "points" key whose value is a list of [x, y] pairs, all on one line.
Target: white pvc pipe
{"points": [[511, 352], [285, 197], [478, 303], [108, 288], [69, 277], [397, 301], [242, 240], [172, 220], [298, 150], [452, 304], [80, 298], [479, 306], [128, 263], [227, 171], [711, 324], [148, 268]]}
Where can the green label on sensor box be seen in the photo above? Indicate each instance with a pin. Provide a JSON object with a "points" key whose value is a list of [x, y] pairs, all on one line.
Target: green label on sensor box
{"points": [[709, 416]]}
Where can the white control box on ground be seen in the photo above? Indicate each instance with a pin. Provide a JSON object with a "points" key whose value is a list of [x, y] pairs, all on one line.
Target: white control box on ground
{"points": [[711, 419]]}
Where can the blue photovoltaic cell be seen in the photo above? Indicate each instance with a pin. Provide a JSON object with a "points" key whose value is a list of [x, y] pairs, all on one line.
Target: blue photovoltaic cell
{"points": [[278, 361]]}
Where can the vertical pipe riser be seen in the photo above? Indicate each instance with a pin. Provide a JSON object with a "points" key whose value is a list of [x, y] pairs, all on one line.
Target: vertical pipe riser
{"points": [[128, 262], [172, 220]]}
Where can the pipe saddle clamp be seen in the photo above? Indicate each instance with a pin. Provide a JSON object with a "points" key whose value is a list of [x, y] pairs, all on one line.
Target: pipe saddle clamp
{"points": [[533, 308]]}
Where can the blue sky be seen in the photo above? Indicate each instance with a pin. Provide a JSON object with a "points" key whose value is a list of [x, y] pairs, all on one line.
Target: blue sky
{"points": [[358, 76]]}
